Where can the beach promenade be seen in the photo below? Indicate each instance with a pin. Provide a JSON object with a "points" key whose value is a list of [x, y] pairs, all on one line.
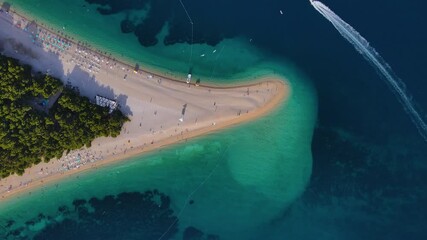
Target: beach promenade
{"points": [[162, 110]]}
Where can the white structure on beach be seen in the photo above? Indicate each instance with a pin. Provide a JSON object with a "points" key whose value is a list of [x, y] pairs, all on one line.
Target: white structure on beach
{"points": [[189, 78], [105, 102]]}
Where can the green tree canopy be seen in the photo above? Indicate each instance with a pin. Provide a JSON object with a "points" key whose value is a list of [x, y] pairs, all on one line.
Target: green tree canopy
{"points": [[29, 135]]}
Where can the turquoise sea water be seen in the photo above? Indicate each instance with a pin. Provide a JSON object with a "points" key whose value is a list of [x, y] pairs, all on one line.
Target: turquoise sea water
{"points": [[239, 180], [231, 56], [368, 166]]}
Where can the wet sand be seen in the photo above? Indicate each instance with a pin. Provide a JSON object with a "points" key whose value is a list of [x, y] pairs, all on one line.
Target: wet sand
{"points": [[163, 111]]}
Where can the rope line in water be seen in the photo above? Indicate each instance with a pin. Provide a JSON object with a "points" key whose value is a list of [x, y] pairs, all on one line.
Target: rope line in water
{"points": [[216, 60], [193, 192], [192, 32]]}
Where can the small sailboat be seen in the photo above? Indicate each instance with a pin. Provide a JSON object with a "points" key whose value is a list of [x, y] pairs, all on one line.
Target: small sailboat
{"points": [[281, 12]]}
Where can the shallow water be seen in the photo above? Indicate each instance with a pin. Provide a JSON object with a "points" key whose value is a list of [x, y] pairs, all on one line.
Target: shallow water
{"points": [[368, 176], [246, 183], [229, 174]]}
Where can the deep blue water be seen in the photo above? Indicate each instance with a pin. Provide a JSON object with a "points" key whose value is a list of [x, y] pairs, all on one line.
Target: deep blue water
{"points": [[369, 162], [369, 177]]}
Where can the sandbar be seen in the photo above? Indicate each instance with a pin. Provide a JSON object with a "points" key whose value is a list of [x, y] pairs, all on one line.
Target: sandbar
{"points": [[163, 110]]}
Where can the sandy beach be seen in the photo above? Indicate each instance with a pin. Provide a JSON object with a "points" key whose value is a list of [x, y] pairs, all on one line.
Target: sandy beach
{"points": [[163, 111]]}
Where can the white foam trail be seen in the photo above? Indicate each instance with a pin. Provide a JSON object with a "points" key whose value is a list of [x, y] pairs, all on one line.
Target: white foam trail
{"points": [[372, 56]]}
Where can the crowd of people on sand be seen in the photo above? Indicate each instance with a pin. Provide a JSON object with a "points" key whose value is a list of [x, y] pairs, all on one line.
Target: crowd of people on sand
{"points": [[50, 41], [89, 60], [92, 60], [43, 37], [86, 59], [73, 160], [77, 159], [79, 53]]}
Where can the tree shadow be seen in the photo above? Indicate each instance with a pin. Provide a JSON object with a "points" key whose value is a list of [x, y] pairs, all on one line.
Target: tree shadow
{"points": [[25, 45], [89, 87]]}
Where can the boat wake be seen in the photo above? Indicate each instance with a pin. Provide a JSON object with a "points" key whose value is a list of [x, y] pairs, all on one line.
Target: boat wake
{"points": [[380, 65]]}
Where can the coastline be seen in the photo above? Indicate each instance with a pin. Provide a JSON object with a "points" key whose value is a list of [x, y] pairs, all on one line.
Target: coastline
{"points": [[84, 44], [155, 147], [156, 71], [208, 123]]}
